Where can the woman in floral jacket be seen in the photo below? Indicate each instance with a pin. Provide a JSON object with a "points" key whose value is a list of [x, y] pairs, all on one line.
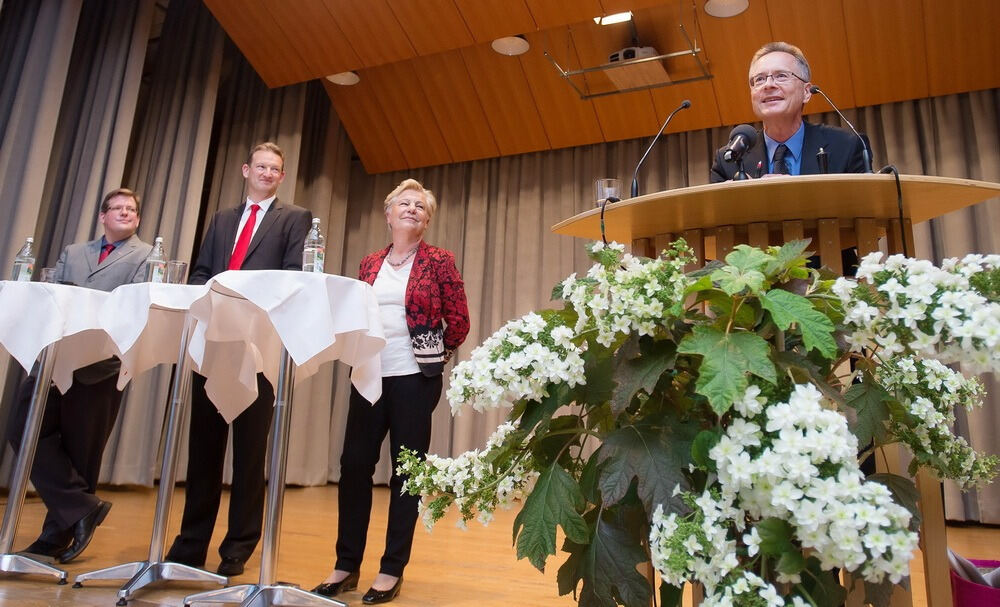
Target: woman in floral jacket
{"points": [[425, 317]]}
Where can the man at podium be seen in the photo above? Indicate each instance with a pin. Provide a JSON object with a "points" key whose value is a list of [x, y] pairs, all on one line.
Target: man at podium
{"points": [[780, 86]]}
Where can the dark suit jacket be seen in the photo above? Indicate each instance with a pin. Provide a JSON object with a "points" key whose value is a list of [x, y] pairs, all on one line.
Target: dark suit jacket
{"points": [[843, 149], [78, 264], [277, 244]]}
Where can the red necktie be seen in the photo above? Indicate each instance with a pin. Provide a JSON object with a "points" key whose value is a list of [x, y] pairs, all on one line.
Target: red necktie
{"points": [[105, 251], [243, 242]]}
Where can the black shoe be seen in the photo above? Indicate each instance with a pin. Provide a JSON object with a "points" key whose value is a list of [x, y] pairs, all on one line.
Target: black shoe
{"points": [[44, 550], [334, 588], [231, 566], [374, 597], [83, 532]]}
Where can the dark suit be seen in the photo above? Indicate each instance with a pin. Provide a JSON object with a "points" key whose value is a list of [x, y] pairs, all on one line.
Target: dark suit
{"points": [[843, 149], [276, 245], [76, 425]]}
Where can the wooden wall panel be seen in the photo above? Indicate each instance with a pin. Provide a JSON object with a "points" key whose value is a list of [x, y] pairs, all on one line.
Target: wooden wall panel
{"points": [[505, 95], [729, 44], [366, 125], [567, 119], [313, 32], [276, 62], [818, 29], [452, 96], [886, 49], [491, 19], [432, 26], [408, 114], [553, 13], [372, 28], [963, 45]]}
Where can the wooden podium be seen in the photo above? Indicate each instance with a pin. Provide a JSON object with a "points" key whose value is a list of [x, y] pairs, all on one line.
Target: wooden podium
{"points": [[836, 211]]}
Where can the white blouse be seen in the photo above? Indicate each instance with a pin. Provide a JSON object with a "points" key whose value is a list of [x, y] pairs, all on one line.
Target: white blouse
{"points": [[390, 291]]}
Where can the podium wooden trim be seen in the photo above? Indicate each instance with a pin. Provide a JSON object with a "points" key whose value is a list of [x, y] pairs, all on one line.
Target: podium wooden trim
{"points": [[836, 211]]}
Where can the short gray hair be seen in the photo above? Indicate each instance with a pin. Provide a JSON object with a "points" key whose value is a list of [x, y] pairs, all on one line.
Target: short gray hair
{"points": [[784, 47], [412, 184]]}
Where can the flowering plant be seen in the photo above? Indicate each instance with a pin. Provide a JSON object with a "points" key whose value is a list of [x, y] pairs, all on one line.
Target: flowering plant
{"points": [[705, 422]]}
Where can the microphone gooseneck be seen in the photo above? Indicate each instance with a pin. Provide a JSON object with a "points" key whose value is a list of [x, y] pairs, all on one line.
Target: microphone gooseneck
{"points": [[864, 147], [635, 174], [741, 139]]}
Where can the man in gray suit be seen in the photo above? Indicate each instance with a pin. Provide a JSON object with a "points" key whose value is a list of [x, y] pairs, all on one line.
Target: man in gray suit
{"points": [[76, 425]]}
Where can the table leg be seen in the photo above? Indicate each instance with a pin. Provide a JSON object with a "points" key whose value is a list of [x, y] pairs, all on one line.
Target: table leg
{"points": [[142, 573], [19, 563], [267, 592]]}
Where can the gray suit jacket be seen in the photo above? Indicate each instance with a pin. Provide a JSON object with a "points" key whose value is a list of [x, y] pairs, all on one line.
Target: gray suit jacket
{"points": [[78, 265]]}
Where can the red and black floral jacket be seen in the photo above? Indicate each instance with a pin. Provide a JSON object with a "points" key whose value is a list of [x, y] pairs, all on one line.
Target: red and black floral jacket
{"points": [[437, 313]]}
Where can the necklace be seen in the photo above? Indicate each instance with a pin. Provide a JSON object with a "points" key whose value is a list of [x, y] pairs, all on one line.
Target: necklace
{"points": [[399, 264]]}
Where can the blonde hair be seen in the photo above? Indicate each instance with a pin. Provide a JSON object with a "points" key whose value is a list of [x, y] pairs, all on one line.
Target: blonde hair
{"points": [[412, 184]]}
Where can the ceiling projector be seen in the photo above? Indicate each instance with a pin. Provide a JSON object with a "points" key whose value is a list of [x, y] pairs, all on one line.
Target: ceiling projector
{"points": [[632, 52]]}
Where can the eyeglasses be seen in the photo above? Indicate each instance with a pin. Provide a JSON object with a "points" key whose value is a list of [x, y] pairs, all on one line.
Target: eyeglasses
{"points": [[127, 210], [779, 78]]}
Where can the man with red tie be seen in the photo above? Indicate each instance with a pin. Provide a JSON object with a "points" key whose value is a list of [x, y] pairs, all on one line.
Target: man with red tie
{"points": [[76, 425], [263, 233]]}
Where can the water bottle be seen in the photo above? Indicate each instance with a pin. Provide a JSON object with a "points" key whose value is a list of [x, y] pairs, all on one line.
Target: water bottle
{"points": [[314, 251], [156, 262], [24, 262]]}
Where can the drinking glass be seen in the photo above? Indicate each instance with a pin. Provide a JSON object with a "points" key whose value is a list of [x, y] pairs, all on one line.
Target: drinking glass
{"points": [[607, 189], [177, 272]]}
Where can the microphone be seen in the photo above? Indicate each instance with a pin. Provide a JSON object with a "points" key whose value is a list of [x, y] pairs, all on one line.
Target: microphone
{"points": [[741, 139], [864, 147], [635, 175]]}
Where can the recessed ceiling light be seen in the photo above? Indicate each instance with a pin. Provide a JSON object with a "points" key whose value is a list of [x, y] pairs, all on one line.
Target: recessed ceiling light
{"points": [[511, 45], [726, 8], [344, 78], [614, 18]]}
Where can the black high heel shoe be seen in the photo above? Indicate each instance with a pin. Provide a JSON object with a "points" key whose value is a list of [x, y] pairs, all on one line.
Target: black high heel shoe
{"points": [[334, 588], [374, 597]]}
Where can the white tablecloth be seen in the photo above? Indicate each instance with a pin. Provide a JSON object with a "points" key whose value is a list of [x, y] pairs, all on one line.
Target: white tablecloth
{"points": [[242, 319], [37, 314]]}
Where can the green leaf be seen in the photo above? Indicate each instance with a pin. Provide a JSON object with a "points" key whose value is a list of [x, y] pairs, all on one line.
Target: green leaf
{"points": [[904, 492], [870, 401], [775, 536], [803, 371], [555, 501], [598, 367], [791, 562], [823, 586], [726, 359], [607, 567], [656, 457], [703, 443], [745, 257], [733, 280], [787, 308], [547, 447], [879, 595], [790, 255], [541, 412], [722, 305], [670, 595], [640, 372]]}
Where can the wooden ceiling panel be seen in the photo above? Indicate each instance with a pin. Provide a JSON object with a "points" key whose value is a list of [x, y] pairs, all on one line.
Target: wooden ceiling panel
{"points": [[886, 49], [963, 46], [408, 114], [372, 28], [432, 26], [276, 62], [553, 13], [818, 29], [729, 44], [491, 19], [620, 6], [366, 125], [702, 114], [453, 99], [504, 92], [567, 119], [314, 33]]}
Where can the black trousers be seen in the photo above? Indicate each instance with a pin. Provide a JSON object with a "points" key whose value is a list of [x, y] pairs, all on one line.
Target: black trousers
{"points": [[75, 429], [404, 412], [206, 457]]}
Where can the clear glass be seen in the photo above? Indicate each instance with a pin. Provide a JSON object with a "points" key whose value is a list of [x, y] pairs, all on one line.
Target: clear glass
{"points": [[607, 189], [177, 272], [47, 275]]}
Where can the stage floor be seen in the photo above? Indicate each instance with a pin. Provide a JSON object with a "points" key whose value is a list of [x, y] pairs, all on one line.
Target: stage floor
{"points": [[449, 567]]}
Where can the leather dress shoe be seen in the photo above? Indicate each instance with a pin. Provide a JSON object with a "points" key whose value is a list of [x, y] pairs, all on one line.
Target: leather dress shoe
{"points": [[83, 532], [45, 550], [231, 566], [374, 597], [334, 588]]}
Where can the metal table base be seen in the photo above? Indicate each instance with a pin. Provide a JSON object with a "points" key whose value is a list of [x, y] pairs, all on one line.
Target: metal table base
{"points": [[20, 563], [267, 592], [155, 569]]}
